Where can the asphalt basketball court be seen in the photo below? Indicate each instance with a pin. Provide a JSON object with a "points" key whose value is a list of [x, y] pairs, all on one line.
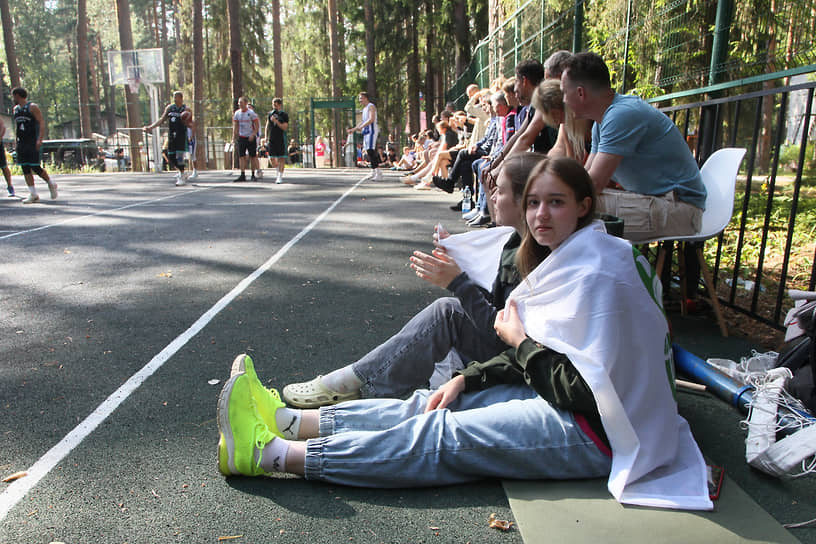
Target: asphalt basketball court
{"points": [[122, 304]]}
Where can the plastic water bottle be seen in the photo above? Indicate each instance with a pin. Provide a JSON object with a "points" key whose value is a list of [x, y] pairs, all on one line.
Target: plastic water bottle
{"points": [[466, 199]]}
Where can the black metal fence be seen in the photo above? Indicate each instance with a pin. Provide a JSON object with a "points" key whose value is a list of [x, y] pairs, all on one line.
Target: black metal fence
{"points": [[768, 248]]}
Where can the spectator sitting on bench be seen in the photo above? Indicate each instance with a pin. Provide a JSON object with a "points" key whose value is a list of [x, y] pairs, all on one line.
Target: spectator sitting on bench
{"points": [[641, 149]]}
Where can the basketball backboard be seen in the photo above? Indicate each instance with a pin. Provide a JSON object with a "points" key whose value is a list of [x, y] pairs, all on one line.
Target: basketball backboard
{"points": [[136, 66]]}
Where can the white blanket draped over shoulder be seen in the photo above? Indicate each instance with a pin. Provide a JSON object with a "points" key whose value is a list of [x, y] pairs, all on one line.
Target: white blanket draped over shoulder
{"points": [[596, 300]]}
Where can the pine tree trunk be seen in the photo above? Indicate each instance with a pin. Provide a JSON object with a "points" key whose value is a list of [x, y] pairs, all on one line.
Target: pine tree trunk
{"points": [[110, 97], [341, 43], [134, 111], [233, 16], [96, 107], [82, 69], [276, 48], [198, 84], [430, 80], [766, 134], [413, 72], [461, 31], [8, 42], [336, 67], [371, 54]]}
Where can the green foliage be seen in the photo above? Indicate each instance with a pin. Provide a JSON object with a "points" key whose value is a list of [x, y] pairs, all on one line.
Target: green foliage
{"points": [[802, 245]]}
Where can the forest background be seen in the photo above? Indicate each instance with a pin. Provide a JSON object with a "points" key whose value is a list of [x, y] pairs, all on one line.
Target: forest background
{"points": [[217, 50], [405, 53]]}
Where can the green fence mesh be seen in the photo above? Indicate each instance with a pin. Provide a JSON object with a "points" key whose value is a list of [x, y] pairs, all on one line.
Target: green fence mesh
{"points": [[654, 47]]}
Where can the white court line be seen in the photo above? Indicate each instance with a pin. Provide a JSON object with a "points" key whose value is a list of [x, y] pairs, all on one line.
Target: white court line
{"points": [[101, 213], [19, 488]]}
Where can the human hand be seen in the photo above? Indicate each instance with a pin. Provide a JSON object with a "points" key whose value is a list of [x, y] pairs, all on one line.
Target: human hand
{"points": [[508, 325], [442, 397], [438, 268], [489, 179]]}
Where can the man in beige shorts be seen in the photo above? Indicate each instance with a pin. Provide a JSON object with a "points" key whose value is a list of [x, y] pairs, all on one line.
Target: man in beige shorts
{"points": [[640, 149]]}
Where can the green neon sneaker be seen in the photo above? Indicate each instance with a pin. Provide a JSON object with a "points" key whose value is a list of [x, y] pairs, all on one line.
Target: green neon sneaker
{"points": [[242, 431], [267, 400]]}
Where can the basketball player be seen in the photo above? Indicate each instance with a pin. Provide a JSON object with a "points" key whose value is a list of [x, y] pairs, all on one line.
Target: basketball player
{"points": [[30, 127], [177, 135], [245, 128], [368, 126], [187, 117], [276, 124]]}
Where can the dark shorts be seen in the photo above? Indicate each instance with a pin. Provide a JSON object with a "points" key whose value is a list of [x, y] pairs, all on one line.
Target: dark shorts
{"points": [[176, 158], [3, 162], [247, 146], [276, 149], [28, 156]]}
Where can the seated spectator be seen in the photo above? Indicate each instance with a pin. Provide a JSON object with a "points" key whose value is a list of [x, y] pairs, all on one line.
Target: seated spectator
{"points": [[570, 398], [444, 157], [574, 135], [410, 154], [384, 162], [480, 215], [121, 163], [293, 152], [476, 113], [448, 140], [641, 149], [462, 167], [532, 131], [454, 330]]}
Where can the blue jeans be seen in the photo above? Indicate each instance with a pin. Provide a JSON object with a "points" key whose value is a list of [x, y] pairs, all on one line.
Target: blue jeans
{"points": [[481, 202], [406, 361], [507, 431]]}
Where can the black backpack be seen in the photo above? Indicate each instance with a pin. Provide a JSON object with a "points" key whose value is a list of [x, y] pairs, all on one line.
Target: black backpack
{"points": [[799, 355]]}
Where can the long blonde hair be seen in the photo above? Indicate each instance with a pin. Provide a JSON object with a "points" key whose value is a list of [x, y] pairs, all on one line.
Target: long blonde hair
{"points": [[548, 97]]}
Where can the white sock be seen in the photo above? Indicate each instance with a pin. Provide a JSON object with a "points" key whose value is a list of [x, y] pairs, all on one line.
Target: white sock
{"points": [[342, 380], [32, 190], [273, 457], [288, 422]]}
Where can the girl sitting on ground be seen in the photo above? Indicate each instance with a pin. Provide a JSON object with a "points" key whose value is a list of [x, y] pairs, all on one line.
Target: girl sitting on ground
{"points": [[585, 391]]}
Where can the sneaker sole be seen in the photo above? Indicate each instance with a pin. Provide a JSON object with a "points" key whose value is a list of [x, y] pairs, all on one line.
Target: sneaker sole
{"points": [[226, 444]]}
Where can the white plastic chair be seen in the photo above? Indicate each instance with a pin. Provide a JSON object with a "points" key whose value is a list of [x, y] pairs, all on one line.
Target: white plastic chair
{"points": [[720, 179]]}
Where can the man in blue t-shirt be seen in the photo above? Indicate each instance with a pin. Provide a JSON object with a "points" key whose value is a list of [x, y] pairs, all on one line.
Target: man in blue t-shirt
{"points": [[640, 149]]}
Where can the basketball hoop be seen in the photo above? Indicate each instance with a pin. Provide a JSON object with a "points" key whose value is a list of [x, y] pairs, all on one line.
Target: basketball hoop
{"points": [[140, 67]]}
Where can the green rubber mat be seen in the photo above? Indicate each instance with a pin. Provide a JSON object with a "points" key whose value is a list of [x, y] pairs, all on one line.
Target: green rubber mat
{"points": [[577, 511]]}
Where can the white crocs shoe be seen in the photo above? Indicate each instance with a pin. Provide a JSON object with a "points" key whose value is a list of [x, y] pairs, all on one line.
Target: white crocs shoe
{"points": [[314, 394]]}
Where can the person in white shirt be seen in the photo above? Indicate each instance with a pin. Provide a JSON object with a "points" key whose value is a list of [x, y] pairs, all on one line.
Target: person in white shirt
{"points": [[245, 127], [368, 126]]}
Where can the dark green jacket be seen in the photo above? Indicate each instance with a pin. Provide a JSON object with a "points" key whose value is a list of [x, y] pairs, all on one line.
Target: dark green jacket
{"points": [[551, 374]]}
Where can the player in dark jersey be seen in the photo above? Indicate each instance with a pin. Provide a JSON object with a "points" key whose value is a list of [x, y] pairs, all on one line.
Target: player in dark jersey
{"points": [[30, 128], [176, 136], [276, 124]]}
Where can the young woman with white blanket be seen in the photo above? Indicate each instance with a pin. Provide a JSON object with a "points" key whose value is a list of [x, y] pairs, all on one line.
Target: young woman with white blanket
{"points": [[589, 371], [452, 330]]}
